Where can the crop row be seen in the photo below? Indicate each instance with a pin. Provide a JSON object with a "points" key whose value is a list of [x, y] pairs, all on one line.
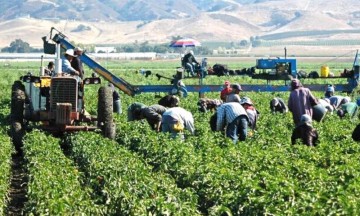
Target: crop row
{"points": [[6, 149], [263, 175], [123, 183], [53, 187]]}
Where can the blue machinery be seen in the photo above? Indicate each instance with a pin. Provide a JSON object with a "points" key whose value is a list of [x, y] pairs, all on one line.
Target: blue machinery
{"points": [[280, 69]]}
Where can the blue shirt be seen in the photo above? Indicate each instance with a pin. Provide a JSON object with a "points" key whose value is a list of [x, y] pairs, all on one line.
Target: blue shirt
{"points": [[66, 66]]}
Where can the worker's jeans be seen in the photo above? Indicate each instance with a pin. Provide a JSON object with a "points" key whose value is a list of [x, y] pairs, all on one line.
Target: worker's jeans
{"points": [[190, 68], [237, 129]]}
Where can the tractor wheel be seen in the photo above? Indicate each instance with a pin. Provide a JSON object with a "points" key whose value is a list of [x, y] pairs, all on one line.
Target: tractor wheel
{"points": [[105, 112], [17, 133], [17, 101]]}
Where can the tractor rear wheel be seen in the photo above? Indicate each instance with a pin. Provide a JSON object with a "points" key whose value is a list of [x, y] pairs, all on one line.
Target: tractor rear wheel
{"points": [[17, 131], [105, 112], [17, 101]]}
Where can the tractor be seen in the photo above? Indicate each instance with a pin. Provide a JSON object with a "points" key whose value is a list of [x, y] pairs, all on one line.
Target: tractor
{"points": [[57, 104]]}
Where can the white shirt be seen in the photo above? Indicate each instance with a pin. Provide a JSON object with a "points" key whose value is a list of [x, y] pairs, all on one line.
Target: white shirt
{"points": [[180, 114]]}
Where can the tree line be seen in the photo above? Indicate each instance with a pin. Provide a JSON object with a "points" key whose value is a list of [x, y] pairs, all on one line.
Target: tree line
{"points": [[20, 46]]}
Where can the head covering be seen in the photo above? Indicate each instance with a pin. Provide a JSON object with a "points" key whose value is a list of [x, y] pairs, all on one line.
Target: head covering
{"points": [[274, 102], [70, 52], [78, 49], [305, 119], [236, 87], [175, 101], [227, 82], [330, 88], [191, 52], [340, 113], [246, 100], [295, 83]]}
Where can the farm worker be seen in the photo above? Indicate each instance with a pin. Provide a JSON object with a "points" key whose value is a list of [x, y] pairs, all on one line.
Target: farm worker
{"points": [[329, 92], [234, 118], [278, 105], [351, 108], [169, 101], [50, 69], [66, 63], [205, 104], [225, 91], [300, 101], [175, 120], [356, 133], [251, 111], [116, 100], [133, 111], [336, 101], [153, 115], [76, 63], [326, 103], [204, 65], [234, 95], [305, 132], [189, 62]]}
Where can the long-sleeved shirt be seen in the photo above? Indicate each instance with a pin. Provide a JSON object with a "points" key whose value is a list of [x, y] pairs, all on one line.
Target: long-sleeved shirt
{"points": [[178, 114], [350, 108], [300, 102], [153, 113], [224, 93], [327, 105], [66, 66], [76, 63], [228, 112], [278, 105], [337, 100], [306, 133], [233, 98]]}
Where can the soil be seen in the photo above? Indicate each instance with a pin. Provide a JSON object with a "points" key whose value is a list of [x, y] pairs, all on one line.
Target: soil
{"points": [[18, 187]]}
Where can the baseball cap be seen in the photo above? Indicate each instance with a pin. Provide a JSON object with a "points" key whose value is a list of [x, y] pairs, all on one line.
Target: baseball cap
{"points": [[227, 82], [330, 88], [246, 100], [236, 87]]}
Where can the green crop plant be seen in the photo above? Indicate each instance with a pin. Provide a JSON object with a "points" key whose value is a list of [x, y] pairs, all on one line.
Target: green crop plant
{"points": [[54, 187], [6, 149], [123, 184]]}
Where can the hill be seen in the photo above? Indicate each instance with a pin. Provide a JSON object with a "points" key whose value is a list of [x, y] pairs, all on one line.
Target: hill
{"points": [[157, 21]]}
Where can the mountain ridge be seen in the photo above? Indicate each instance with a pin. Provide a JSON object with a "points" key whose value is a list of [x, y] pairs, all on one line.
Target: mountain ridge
{"points": [[158, 21]]}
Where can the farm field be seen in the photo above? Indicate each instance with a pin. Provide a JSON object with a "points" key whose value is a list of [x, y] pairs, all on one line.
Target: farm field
{"points": [[142, 172]]}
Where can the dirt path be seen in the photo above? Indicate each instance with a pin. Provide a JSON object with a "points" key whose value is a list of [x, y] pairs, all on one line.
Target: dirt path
{"points": [[18, 186]]}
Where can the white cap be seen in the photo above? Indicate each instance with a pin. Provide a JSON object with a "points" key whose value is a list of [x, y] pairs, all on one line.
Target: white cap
{"points": [[70, 52], [246, 100]]}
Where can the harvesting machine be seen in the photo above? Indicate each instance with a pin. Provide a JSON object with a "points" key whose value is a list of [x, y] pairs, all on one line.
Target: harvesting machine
{"points": [[56, 103]]}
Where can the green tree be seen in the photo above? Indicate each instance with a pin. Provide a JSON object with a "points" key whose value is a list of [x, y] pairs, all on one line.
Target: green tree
{"points": [[18, 46]]}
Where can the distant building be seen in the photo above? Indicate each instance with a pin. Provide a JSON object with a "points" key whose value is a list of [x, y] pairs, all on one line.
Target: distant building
{"points": [[105, 50]]}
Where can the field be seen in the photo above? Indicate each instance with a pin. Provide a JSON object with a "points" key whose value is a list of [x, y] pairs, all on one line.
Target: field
{"points": [[142, 172]]}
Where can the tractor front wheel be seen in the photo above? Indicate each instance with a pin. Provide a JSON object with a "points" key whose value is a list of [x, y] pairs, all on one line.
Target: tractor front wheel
{"points": [[105, 112]]}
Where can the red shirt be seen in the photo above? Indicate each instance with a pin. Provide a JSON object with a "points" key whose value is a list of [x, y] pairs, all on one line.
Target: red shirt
{"points": [[224, 93]]}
